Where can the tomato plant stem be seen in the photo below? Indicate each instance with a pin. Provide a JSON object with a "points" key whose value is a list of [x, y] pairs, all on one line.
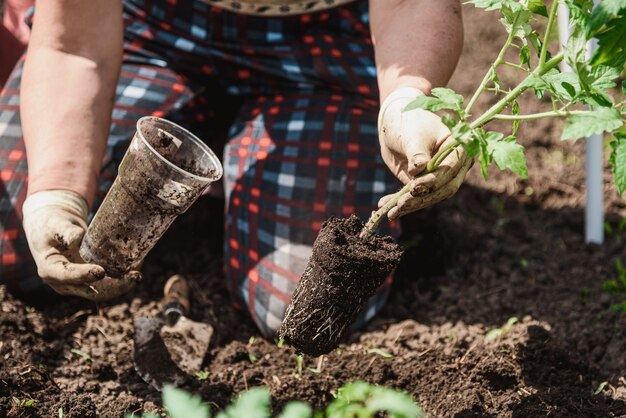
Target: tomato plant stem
{"points": [[546, 37], [491, 71], [533, 116], [440, 156]]}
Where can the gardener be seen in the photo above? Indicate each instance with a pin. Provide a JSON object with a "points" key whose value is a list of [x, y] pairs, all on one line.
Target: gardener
{"points": [[297, 85]]}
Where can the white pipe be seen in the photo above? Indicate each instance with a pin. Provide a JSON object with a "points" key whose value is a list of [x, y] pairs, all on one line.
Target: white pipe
{"points": [[594, 180], [564, 32], [594, 161], [594, 184]]}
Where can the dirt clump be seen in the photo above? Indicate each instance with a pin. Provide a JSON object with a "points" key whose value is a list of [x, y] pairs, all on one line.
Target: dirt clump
{"points": [[343, 272]]}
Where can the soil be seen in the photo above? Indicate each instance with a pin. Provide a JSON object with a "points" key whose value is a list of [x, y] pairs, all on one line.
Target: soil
{"points": [[496, 250], [343, 272]]}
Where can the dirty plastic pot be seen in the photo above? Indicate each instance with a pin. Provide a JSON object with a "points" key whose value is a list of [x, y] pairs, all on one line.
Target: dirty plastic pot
{"points": [[165, 169]]}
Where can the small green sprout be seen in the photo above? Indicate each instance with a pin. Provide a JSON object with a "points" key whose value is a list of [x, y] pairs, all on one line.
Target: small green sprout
{"points": [[380, 352], [600, 388], [617, 286], [616, 232], [81, 354], [251, 355], [299, 365], [584, 294], [500, 332], [356, 399], [202, 375], [25, 403]]}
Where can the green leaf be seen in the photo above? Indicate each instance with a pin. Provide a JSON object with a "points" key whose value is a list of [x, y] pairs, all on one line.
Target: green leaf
{"points": [[563, 86], [380, 352], [253, 403], [472, 148], [448, 96], [576, 48], [611, 45], [533, 39], [488, 4], [493, 77], [507, 154], [432, 104], [538, 7], [450, 122], [516, 20], [144, 415], [296, 409], [354, 392], [515, 111], [181, 404], [360, 399], [603, 77], [592, 123], [461, 132], [451, 98], [484, 157], [397, 404], [524, 55], [442, 98], [603, 12], [536, 83], [81, 354], [618, 163], [600, 388]]}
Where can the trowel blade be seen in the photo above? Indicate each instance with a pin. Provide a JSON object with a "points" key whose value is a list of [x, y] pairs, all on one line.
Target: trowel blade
{"points": [[152, 358], [187, 342]]}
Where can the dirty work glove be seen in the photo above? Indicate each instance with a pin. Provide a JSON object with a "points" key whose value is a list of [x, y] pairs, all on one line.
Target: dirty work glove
{"points": [[408, 141], [55, 222]]}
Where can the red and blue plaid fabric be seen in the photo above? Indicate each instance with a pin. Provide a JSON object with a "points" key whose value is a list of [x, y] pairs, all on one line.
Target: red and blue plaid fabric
{"points": [[300, 100]]}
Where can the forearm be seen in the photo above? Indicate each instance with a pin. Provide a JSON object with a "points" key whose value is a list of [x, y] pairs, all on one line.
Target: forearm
{"points": [[66, 100], [417, 42]]}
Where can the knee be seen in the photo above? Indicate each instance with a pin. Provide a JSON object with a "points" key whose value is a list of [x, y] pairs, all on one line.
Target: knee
{"points": [[265, 286]]}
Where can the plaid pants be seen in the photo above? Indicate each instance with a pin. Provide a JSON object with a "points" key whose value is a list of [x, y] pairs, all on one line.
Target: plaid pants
{"points": [[297, 101]]}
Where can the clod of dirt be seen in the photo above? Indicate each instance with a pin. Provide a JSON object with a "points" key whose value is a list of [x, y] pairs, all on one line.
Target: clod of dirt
{"points": [[343, 272], [76, 406]]}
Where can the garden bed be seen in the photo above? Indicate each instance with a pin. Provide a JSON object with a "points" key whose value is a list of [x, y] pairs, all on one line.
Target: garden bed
{"points": [[497, 250]]}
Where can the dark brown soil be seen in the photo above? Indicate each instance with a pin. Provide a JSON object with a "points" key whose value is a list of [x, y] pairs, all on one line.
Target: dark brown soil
{"points": [[500, 249], [343, 272]]}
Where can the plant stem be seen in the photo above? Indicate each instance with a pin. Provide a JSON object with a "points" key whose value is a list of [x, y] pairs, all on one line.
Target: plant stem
{"points": [[493, 68], [546, 37], [514, 94], [513, 65], [438, 158], [533, 116]]}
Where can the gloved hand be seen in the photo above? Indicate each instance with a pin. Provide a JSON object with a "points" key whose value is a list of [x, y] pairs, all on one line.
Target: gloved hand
{"points": [[55, 222], [408, 141]]}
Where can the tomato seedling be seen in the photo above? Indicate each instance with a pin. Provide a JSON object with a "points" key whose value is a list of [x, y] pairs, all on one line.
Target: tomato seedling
{"points": [[587, 87]]}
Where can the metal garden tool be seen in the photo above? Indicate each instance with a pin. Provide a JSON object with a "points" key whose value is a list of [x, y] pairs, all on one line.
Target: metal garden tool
{"points": [[171, 348]]}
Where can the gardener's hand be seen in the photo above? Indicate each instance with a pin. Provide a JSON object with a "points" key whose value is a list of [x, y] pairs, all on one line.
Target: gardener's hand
{"points": [[408, 141], [55, 222]]}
